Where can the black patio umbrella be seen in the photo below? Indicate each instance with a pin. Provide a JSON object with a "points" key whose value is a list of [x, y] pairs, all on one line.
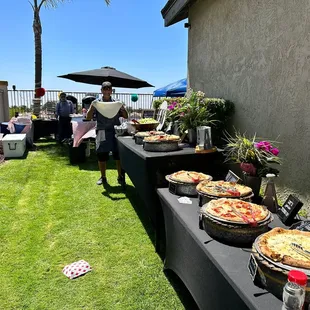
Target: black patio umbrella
{"points": [[98, 76]]}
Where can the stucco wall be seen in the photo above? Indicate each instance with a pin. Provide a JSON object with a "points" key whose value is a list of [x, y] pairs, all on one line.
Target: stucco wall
{"points": [[257, 54]]}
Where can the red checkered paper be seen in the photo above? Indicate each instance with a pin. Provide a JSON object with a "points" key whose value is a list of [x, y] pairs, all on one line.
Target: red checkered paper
{"points": [[76, 269]]}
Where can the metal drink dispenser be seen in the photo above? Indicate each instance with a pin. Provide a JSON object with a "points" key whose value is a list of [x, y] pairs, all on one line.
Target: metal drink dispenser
{"points": [[204, 138]]}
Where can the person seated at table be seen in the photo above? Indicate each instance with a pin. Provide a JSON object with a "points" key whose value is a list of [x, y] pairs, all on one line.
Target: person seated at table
{"points": [[63, 110], [106, 141]]}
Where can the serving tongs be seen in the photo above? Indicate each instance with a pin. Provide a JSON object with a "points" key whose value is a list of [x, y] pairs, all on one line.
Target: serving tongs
{"points": [[252, 222], [300, 250], [194, 179], [230, 190]]}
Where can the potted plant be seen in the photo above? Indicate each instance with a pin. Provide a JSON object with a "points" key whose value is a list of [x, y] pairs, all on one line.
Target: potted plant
{"points": [[190, 113], [254, 156]]}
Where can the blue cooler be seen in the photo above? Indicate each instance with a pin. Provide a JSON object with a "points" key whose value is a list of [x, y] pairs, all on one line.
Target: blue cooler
{"points": [[19, 127]]}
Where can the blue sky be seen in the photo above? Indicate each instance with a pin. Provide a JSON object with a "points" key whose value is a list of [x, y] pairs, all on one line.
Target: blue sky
{"points": [[128, 35]]}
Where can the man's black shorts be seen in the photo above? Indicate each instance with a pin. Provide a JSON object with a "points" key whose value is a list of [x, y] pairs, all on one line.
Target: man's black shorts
{"points": [[102, 157]]}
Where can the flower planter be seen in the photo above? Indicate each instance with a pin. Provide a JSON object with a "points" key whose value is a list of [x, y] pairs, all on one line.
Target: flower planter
{"points": [[253, 182]]}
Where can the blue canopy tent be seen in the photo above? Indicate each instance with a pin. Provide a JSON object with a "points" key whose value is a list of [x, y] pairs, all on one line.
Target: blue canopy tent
{"points": [[176, 89]]}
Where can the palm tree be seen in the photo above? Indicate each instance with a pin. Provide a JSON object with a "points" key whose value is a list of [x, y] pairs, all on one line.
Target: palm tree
{"points": [[37, 30]]}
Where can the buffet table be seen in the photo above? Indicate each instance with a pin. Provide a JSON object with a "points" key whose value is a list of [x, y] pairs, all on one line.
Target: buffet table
{"points": [[147, 171], [216, 274], [45, 128]]}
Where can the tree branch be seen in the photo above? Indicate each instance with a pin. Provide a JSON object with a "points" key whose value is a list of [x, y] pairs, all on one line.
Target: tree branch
{"points": [[31, 4], [42, 1]]}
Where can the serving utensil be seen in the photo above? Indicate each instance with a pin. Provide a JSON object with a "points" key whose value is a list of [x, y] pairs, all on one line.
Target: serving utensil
{"points": [[251, 222], [300, 250]]}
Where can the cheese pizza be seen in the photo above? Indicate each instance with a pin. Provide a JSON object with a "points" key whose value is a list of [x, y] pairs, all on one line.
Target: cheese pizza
{"points": [[189, 176], [277, 245], [236, 210], [223, 189]]}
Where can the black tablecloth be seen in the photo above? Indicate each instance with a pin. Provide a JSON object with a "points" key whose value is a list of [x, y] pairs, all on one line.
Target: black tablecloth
{"points": [[216, 274], [147, 171], [44, 128]]}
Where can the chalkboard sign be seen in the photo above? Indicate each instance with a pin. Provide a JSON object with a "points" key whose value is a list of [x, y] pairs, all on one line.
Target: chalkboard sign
{"points": [[252, 266], [232, 177], [148, 113], [289, 210], [302, 225]]}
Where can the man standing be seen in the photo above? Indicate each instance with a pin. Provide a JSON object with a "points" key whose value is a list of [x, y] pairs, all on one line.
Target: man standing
{"points": [[106, 141], [63, 110]]}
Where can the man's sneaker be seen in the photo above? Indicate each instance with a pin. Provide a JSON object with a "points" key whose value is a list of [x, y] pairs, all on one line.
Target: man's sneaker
{"points": [[121, 180], [102, 180]]}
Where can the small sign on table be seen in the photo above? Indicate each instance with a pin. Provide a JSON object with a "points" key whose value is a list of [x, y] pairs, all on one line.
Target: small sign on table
{"points": [[302, 226], [148, 113], [289, 210], [232, 177]]}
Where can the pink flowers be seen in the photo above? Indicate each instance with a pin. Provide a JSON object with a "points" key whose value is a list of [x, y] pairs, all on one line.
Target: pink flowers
{"points": [[266, 146], [172, 105]]}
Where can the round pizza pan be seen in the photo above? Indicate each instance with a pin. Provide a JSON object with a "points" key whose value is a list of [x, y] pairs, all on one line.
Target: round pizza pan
{"points": [[278, 264], [272, 277], [233, 234], [181, 188], [168, 178], [267, 218], [161, 146], [139, 140]]}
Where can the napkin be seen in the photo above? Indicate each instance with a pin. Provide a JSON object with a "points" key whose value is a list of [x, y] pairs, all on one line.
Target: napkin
{"points": [[76, 269], [185, 200], [107, 109]]}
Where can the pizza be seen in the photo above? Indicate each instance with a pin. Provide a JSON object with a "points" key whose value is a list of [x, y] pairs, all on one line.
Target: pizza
{"points": [[189, 176], [276, 244], [149, 133], [223, 189], [236, 210], [162, 138]]}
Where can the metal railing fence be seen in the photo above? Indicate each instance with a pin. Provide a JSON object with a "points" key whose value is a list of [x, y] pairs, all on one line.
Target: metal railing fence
{"points": [[21, 100]]}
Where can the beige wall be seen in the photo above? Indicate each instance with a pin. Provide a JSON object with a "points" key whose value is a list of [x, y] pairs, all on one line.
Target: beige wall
{"points": [[4, 102], [257, 54]]}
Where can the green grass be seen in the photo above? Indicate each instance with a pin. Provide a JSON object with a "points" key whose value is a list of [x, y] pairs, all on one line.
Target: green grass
{"points": [[52, 214]]}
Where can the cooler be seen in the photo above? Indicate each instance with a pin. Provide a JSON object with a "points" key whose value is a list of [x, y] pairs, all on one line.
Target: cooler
{"points": [[3, 128], [14, 145]]}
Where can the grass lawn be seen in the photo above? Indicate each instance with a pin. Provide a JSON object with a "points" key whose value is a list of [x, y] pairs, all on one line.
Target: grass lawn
{"points": [[52, 214]]}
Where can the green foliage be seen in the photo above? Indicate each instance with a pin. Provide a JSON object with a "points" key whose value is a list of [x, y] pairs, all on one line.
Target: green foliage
{"points": [[53, 214], [157, 103], [19, 109], [254, 160], [196, 110]]}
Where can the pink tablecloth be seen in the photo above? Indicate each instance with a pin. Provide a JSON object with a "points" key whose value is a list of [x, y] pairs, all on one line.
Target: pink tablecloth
{"points": [[83, 130]]}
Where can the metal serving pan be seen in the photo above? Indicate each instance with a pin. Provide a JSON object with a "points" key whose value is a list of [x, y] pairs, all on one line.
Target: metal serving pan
{"points": [[182, 188], [161, 146], [233, 234], [273, 275]]}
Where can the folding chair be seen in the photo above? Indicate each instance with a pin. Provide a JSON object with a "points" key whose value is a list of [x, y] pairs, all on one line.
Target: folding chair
{"points": [[161, 116]]}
